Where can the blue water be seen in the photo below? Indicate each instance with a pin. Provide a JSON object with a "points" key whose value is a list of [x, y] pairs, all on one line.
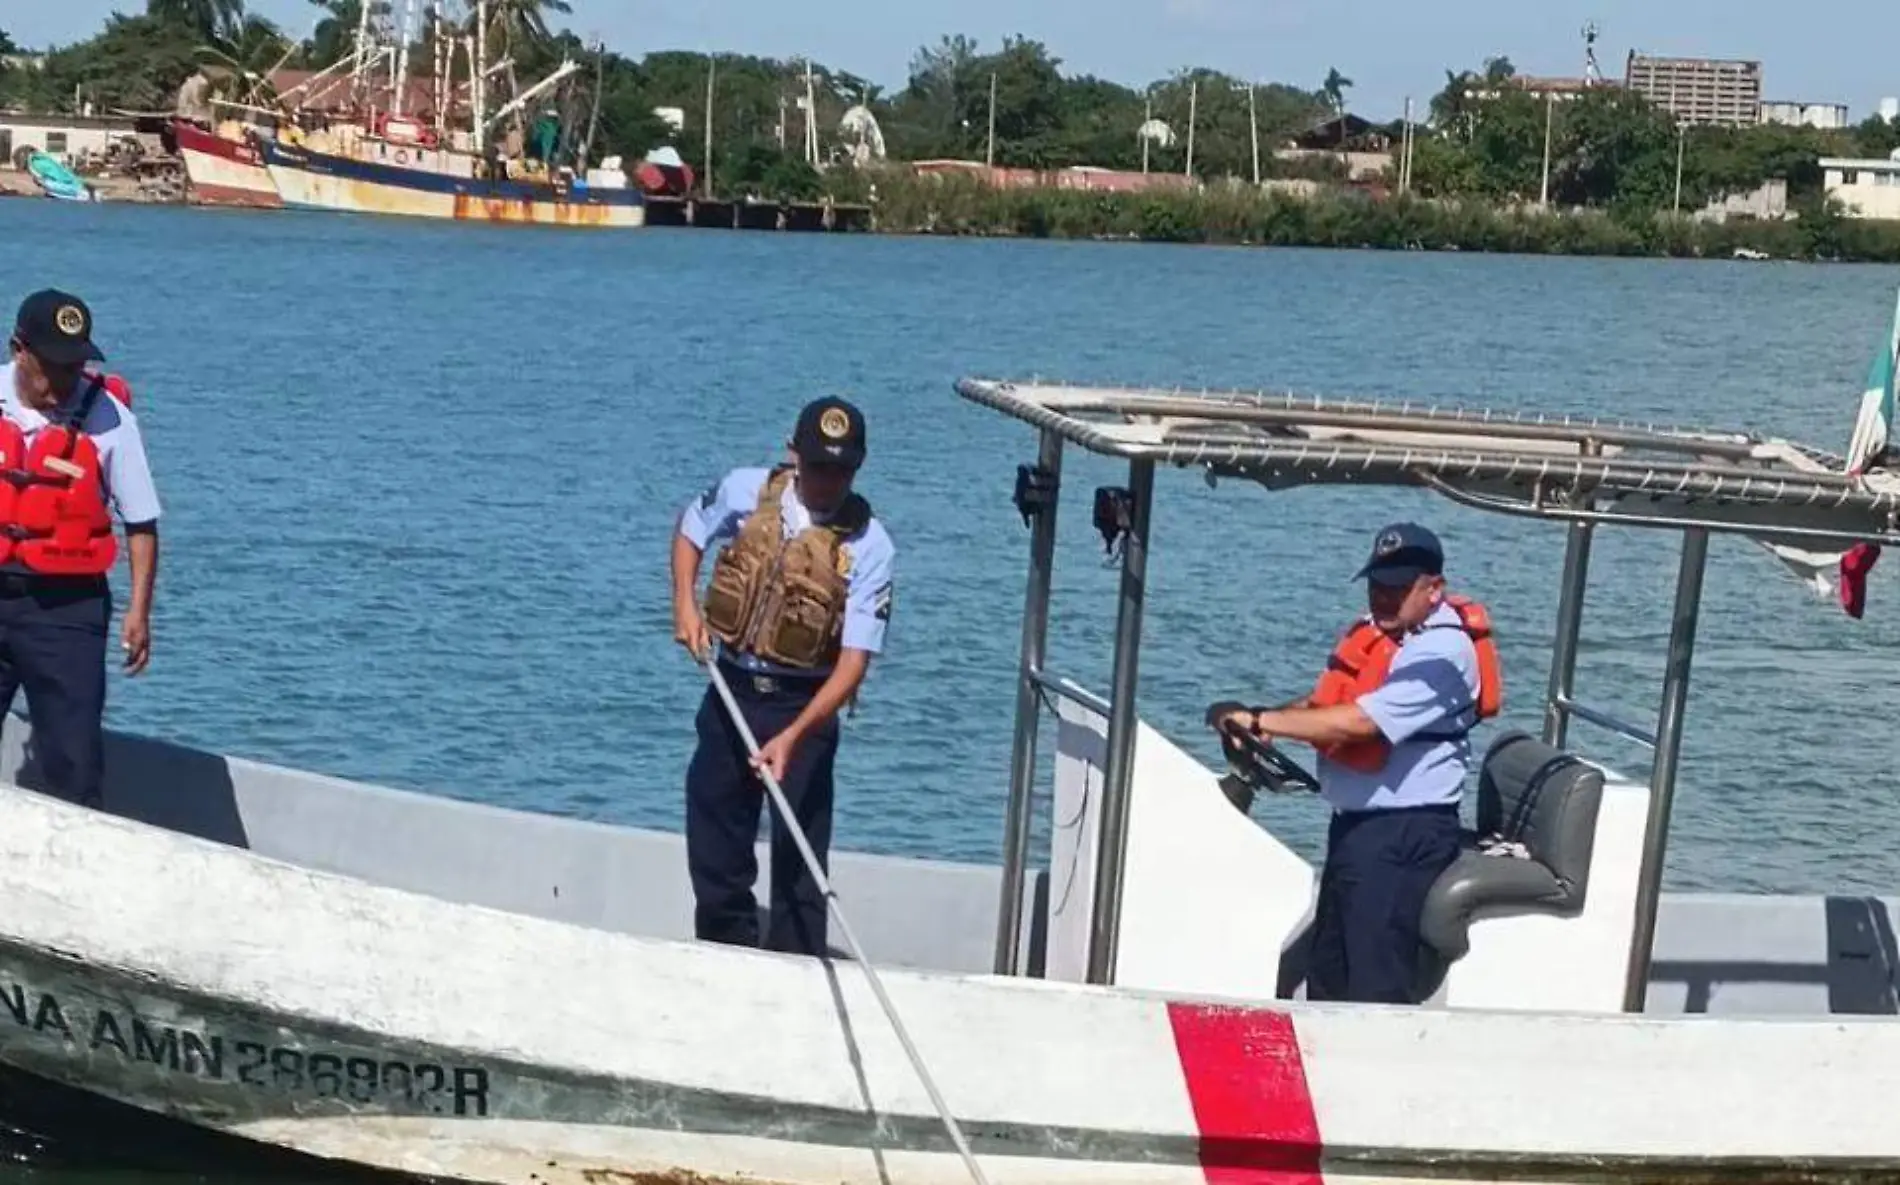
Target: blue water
{"points": [[420, 479]]}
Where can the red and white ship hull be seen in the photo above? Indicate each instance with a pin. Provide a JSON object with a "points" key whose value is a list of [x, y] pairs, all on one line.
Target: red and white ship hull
{"points": [[224, 172]]}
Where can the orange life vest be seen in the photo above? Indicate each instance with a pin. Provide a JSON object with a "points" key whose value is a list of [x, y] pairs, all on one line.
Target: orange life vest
{"points": [[53, 516], [1363, 658]]}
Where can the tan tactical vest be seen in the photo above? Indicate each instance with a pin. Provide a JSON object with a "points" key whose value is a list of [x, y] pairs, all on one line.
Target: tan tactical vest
{"points": [[784, 599]]}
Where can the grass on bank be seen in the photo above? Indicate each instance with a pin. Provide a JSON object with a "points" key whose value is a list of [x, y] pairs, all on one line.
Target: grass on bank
{"points": [[1238, 214]]}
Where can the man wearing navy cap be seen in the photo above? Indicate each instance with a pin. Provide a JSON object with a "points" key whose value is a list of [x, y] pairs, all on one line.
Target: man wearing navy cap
{"points": [[798, 602], [1390, 719], [70, 451]]}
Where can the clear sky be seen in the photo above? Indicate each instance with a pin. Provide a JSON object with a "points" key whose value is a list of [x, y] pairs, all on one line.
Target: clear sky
{"points": [[1847, 51]]}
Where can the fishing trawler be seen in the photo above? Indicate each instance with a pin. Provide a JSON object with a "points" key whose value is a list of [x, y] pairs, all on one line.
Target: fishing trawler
{"points": [[354, 974], [392, 163], [393, 147]]}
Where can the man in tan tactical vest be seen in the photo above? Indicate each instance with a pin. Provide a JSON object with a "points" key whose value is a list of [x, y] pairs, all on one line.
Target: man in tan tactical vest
{"points": [[798, 602]]}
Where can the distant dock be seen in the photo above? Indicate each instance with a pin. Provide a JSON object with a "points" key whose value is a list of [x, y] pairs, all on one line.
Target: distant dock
{"points": [[707, 213]]}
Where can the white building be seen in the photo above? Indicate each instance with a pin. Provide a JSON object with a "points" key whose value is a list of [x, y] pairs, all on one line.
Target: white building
{"points": [[66, 138], [1828, 116], [1867, 188]]}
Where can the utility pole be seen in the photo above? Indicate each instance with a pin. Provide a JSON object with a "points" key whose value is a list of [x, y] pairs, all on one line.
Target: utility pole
{"points": [[989, 155], [1148, 117], [712, 67], [811, 119], [1253, 129], [1682, 140], [1405, 150], [1550, 107], [1194, 94]]}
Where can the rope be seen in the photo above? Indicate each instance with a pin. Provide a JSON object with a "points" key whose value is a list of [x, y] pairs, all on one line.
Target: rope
{"points": [[844, 926]]}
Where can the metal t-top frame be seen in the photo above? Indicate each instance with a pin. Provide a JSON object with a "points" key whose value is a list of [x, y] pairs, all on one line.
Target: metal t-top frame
{"points": [[1585, 472]]}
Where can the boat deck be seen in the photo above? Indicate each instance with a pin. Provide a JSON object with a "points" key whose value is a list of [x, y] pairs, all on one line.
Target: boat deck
{"points": [[1715, 953]]}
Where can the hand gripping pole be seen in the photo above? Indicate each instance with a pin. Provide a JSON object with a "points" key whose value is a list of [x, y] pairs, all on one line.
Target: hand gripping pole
{"points": [[844, 926]]}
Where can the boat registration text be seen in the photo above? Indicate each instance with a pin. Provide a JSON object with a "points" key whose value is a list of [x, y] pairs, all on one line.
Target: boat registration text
{"points": [[353, 1076]]}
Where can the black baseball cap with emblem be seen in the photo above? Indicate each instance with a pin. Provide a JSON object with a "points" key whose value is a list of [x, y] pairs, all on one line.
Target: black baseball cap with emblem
{"points": [[830, 431], [1401, 553], [56, 327]]}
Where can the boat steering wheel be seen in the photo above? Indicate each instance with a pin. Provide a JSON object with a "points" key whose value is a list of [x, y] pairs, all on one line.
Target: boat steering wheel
{"points": [[1256, 762]]}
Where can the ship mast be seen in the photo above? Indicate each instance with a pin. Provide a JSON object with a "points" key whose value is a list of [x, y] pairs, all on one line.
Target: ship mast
{"points": [[400, 78], [479, 83], [359, 72]]}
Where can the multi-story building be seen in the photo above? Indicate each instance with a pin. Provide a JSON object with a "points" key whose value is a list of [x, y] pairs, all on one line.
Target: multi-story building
{"points": [[1827, 116], [1698, 90]]}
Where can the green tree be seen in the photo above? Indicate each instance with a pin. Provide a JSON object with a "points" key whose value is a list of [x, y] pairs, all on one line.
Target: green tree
{"points": [[1335, 88], [1877, 137], [1616, 149], [1028, 86], [135, 62], [211, 20], [6, 43], [334, 37]]}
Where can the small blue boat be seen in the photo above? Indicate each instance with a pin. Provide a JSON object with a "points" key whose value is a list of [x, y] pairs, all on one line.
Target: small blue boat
{"points": [[57, 180]]}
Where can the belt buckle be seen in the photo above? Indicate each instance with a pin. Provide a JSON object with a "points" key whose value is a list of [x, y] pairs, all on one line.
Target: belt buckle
{"points": [[764, 684]]}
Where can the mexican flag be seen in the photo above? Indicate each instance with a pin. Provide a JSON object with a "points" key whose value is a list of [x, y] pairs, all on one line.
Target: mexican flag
{"points": [[1872, 455], [1873, 433]]}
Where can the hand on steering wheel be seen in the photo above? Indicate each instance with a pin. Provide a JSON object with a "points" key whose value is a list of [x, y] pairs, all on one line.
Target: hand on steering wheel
{"points": [[1235, 724]]}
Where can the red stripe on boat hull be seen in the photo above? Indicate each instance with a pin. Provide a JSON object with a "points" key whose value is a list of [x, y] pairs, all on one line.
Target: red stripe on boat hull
{"points": [[1251, 1101]]}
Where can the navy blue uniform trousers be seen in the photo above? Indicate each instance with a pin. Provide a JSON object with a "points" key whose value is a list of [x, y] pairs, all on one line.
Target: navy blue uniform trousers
{"points": [[53, 644], [1379, 867], [724, 798]]}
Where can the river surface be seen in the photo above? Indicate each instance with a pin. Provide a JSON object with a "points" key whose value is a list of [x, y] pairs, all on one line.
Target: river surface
{"points": [[419, 482]]}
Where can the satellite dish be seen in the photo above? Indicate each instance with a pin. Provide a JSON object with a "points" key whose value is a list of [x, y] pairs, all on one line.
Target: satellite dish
{"points": [[860, 126]]}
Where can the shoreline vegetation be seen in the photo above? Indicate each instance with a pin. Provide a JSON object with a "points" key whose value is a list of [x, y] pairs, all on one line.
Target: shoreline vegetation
{"points": [[1237, 215], [1621, 177]]}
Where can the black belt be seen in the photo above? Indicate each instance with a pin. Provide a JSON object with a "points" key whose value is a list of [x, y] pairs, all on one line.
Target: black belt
{"points": [[769, 684], [1420, 808]]}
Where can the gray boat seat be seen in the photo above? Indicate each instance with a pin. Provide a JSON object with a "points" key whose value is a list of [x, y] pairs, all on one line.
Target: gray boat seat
{"points": [[1536, 796]]}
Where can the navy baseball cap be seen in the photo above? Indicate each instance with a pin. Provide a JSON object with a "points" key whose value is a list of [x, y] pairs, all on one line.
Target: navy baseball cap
{"points": [[57, 327], [1401, 553], [830, 432]]}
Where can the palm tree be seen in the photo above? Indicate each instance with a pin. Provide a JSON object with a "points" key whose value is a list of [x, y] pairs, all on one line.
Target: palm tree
{"points": [[1335, 88], [209, 19], [250, 56], [515, 24]]}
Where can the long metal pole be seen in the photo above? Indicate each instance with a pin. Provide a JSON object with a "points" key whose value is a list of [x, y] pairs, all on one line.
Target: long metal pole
{"points": [[1111, 849], [1662, 777], [1022, 758], [1563, 653], [789, 821]]}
